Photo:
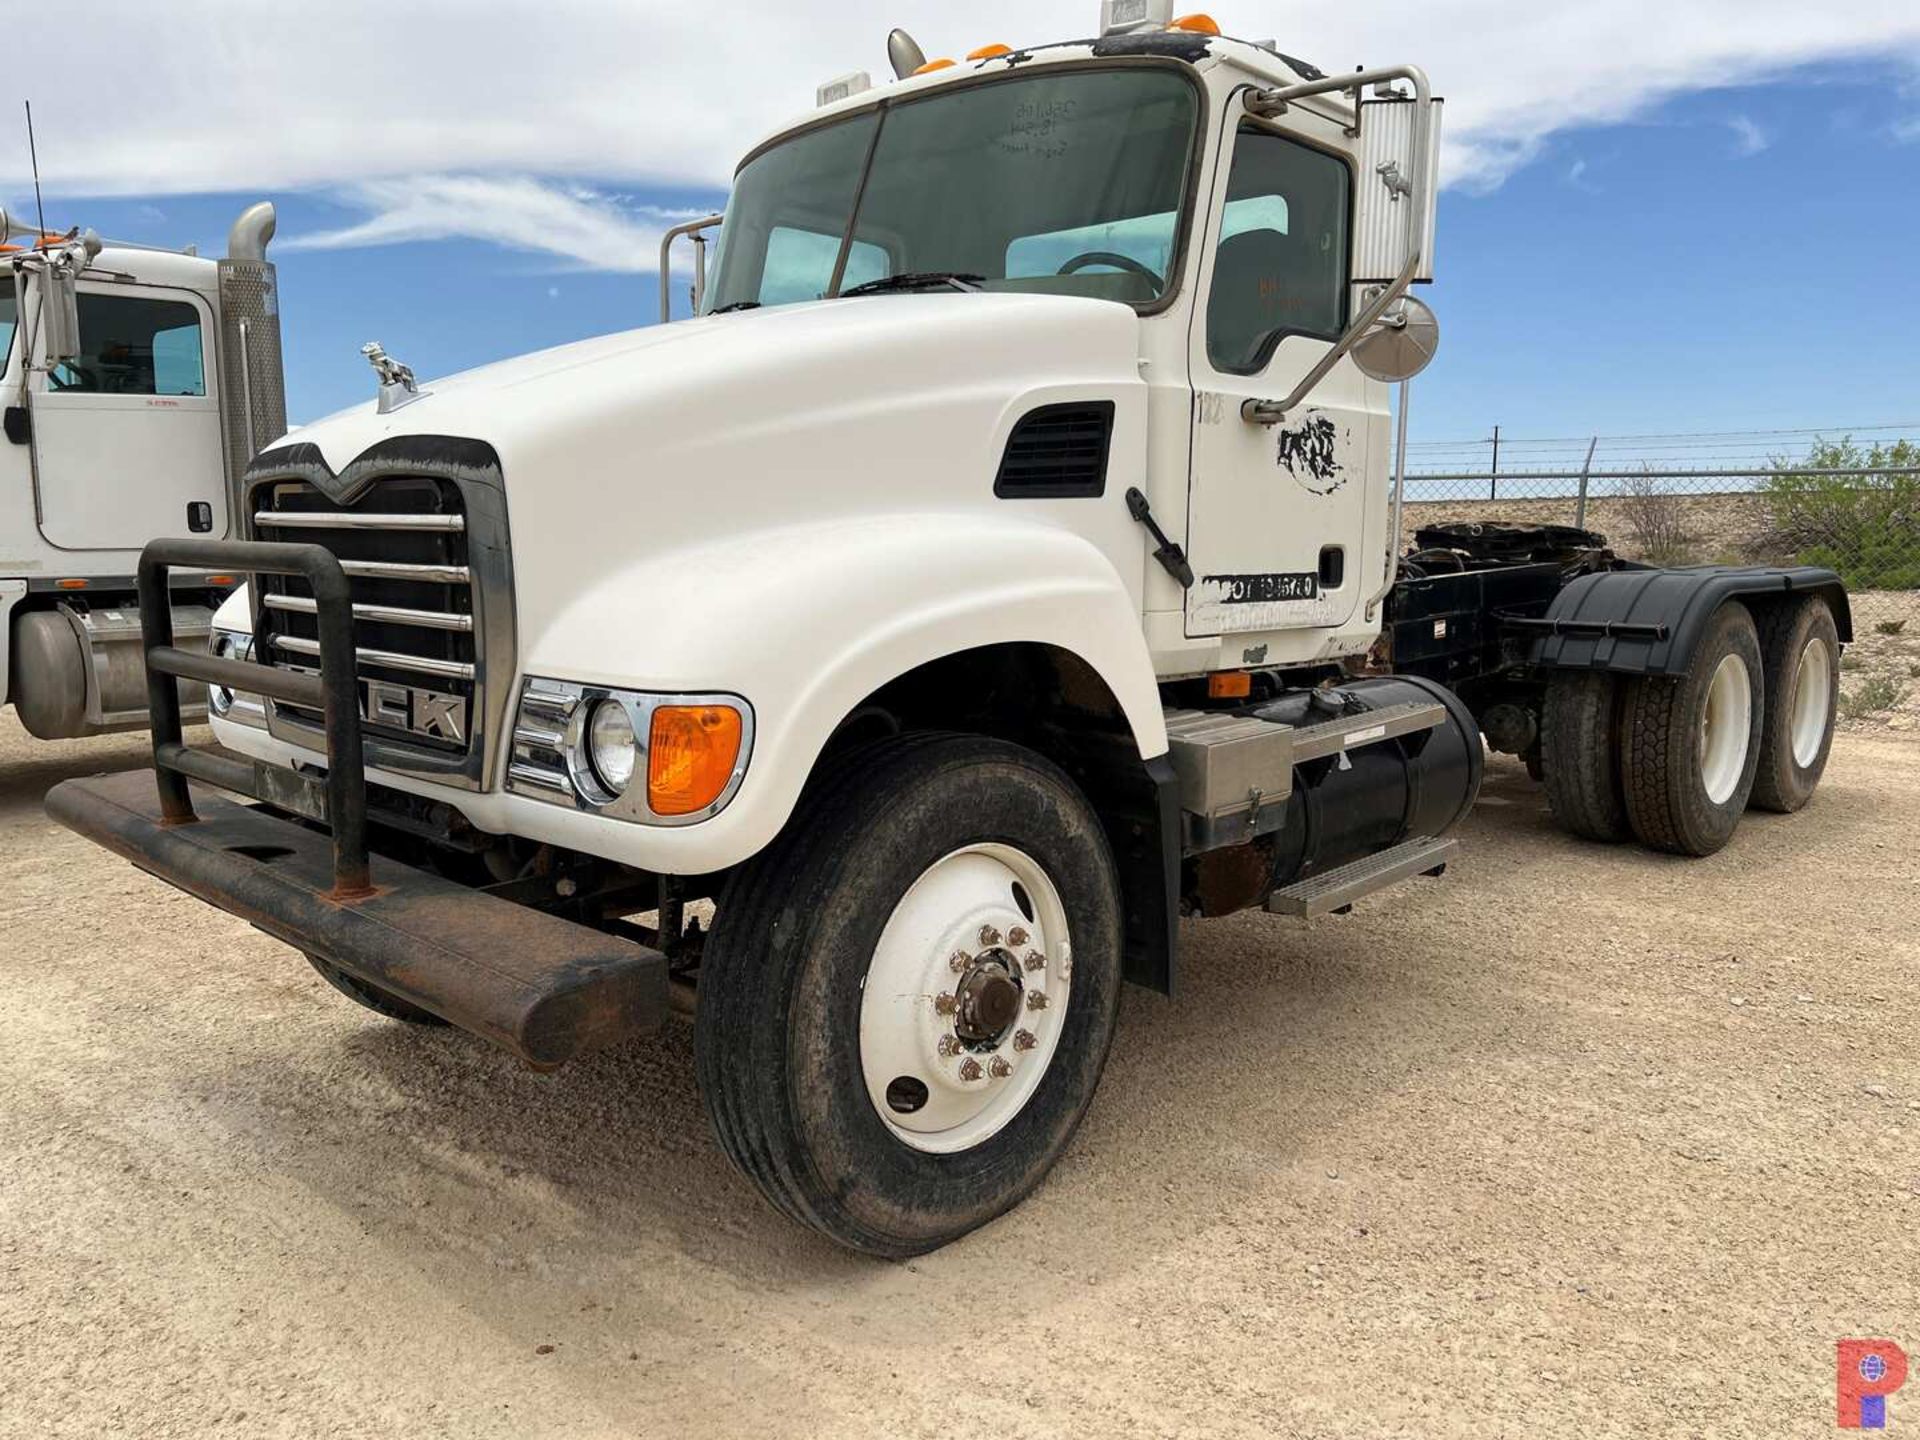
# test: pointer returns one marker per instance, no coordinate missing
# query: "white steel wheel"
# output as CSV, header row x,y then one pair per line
x,y
965,998
1812,701
1726,729
1800,655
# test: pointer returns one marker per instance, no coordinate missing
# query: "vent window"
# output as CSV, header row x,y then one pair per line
x,y
1058,452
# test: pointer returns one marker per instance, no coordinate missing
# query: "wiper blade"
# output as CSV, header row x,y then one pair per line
x,y
918,280
736,305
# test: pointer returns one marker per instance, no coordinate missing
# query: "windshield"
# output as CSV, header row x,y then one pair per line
x,y
1070,182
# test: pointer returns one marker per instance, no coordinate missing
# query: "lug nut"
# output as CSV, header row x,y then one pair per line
x,y
969,1069
989,936
1016,937
943,1004
959,961
1036,999
1035,960
999,1068
1024,1040
949,1045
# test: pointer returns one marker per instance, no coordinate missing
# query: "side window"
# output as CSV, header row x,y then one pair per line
x,y
9,317
1281,268
133,345
800,265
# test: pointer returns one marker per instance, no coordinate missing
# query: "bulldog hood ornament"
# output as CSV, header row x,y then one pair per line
x,y
397,385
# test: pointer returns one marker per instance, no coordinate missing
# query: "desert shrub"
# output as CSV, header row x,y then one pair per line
x,y
1655,521
1877,693
1866,528
1889,627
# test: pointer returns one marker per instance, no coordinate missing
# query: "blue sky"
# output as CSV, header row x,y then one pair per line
x,y
1682,256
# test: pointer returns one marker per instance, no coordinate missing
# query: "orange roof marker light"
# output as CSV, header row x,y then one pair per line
x,y
1199,24
989,52
933,65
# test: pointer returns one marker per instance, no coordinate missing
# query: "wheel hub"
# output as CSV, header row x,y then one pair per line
x,y
965,998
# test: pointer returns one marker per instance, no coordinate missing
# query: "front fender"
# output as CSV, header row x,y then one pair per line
x,y
805,622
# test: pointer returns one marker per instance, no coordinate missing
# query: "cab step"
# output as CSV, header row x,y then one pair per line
x,y
1336,890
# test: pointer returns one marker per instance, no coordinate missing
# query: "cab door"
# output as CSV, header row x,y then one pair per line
x,y
1277,513
126,435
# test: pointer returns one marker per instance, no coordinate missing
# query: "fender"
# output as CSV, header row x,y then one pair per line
x,y
11,592
1648,622
804,622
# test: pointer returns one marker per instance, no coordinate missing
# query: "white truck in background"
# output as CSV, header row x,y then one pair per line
x,y
1003,564
136,384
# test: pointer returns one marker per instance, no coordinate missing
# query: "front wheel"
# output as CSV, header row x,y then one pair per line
x,y
907,999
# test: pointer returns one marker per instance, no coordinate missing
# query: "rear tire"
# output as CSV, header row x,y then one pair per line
x,y
1578,749
1800,647
830,1052
376,1000
1690,744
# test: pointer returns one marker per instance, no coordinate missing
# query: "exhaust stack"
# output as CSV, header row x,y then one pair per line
x,y
253,393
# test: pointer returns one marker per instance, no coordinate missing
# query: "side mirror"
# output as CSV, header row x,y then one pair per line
x,y
1401,343
59,316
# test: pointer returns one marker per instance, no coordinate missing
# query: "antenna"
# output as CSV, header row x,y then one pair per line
x,y
33,154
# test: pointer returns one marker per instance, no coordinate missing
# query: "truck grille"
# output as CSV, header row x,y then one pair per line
x,y
404,546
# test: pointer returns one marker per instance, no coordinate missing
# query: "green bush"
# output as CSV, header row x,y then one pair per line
x,y
1865,527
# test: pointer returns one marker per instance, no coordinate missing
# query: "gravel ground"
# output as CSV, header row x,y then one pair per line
x,y
1575,1141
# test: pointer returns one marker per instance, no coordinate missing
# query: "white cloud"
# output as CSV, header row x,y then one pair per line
x,y
360,95
583,227
1907,131
1748,137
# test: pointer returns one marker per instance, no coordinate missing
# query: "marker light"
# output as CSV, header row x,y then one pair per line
x,y
1198,24
933,65
989,52
690,756
1229,685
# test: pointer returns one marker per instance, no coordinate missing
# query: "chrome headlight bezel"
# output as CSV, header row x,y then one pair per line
x,y
552,741
238,707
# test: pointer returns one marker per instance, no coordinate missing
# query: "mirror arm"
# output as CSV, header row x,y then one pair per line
x,y
693,228
1272,412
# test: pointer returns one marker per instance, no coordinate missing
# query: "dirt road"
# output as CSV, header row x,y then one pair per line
x,y
1573,1142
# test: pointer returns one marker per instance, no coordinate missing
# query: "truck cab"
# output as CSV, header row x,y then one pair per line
x,y
126,420
1001,565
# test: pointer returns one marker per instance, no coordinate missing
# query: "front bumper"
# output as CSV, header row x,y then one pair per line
x,y
537,985
542,987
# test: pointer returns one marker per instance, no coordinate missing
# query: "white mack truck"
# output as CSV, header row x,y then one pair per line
x,y
1003,564
135,384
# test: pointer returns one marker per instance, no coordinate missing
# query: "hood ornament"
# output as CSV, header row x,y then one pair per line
x,y
397,385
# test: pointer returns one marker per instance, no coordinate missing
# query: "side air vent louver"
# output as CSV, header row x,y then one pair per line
x,y
1057,452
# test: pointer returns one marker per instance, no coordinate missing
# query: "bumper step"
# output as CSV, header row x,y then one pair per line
x,y
1339,888
539,986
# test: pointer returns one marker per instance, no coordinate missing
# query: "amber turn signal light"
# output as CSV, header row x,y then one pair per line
x,y
1229,685
691,752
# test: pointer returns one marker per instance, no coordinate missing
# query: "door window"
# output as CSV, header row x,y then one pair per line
x,y
9,316
135,345
1281,266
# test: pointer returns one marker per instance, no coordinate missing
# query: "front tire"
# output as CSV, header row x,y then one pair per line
x,y
1800,646
867,1038
1690,744
371,997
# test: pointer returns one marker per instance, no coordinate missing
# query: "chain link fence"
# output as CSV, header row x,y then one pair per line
x,y
1736,498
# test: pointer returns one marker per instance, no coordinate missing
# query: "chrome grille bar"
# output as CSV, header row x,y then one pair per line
x,y
419,664
377,614
330,520
394,570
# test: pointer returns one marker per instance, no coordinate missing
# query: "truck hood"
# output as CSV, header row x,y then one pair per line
x,y
735,429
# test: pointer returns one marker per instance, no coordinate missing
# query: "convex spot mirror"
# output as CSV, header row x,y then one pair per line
x,y
1400,344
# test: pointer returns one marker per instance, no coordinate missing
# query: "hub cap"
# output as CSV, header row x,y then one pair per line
x,y
1726,728
964,998
1812,700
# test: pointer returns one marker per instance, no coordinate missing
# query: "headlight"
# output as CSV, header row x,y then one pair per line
x,y
627,754
611,746
227,645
